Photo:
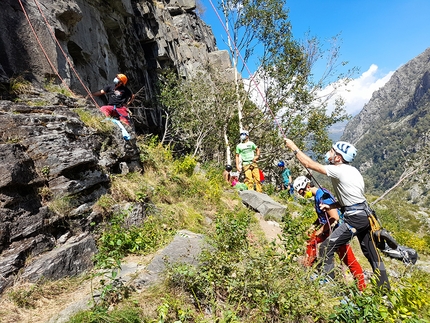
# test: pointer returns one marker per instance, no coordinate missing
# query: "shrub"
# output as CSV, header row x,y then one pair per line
x,y
185,165
154,156
131,187
25,297
95,121
116,241
408,301
45,194
244,281
131,314
61,205
19,85
55,88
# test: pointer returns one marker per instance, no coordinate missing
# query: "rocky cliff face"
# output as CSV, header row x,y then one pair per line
x,y
48,153
44,146
95,40
403,94
392,131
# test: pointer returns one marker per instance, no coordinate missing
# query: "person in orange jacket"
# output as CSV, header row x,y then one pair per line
x,y
326,221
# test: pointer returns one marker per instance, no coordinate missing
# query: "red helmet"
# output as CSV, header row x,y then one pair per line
x,y
122,78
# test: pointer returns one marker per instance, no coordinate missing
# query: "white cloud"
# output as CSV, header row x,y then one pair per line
x,y
355,94
359,91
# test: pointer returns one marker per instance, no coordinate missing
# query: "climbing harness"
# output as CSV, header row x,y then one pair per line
x,y
120,114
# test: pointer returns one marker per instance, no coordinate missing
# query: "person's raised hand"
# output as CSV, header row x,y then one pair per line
x,y
290,144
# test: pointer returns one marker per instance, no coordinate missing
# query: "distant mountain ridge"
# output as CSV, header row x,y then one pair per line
x,y
392,130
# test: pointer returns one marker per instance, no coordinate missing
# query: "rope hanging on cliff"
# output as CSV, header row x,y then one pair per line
x,y
46,55
41,47
62,51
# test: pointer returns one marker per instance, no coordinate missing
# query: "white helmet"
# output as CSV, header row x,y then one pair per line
x,y
245,132
347,150
243,135
300,183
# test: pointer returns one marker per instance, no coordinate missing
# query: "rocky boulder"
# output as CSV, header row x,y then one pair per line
x,y
48,152
264,205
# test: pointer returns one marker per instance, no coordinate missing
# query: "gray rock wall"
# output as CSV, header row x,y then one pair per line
x,y
101,39
49,150
98,39
45,148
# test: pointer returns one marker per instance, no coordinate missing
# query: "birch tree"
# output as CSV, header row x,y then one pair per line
x,y
202,112
284,79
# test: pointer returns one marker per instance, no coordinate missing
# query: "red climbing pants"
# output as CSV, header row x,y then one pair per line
x,y
345,254
121,113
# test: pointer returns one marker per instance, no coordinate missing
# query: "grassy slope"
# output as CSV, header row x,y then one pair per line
x,y
244,278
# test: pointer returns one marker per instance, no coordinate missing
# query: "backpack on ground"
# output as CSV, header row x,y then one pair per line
x,y
405,254
388,245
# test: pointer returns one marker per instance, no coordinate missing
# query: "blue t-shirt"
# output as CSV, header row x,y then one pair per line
x,y
286,176
323,196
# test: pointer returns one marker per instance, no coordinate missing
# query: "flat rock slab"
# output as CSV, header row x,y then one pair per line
x,y
263,204
185,248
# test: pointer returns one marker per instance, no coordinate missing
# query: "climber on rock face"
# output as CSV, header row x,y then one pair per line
x,y
118,96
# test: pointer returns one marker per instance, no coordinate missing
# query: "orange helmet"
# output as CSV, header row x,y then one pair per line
x,y
122,78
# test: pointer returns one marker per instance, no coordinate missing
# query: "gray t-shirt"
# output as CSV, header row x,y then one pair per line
x,y
348,184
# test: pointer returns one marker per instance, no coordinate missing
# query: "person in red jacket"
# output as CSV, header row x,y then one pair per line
x,y
326,221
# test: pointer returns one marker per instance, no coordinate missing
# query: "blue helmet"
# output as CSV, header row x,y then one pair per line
x,y
347,150
281,164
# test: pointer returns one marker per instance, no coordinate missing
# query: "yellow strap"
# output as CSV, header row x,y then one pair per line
x,y
374,223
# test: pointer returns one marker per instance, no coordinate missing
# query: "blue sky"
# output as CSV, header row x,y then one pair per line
x,y
377,36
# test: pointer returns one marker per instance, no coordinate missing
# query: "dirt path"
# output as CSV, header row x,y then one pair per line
x,y
270,228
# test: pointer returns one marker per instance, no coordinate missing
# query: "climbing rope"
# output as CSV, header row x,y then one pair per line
x,y
54,69
62,51
40,45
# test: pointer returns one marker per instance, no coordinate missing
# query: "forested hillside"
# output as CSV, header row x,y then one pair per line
x,y
392,132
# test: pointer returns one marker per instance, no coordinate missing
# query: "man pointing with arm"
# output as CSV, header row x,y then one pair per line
x,y
348,185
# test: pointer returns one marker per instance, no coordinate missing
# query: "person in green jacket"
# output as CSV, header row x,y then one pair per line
x,y
247,155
